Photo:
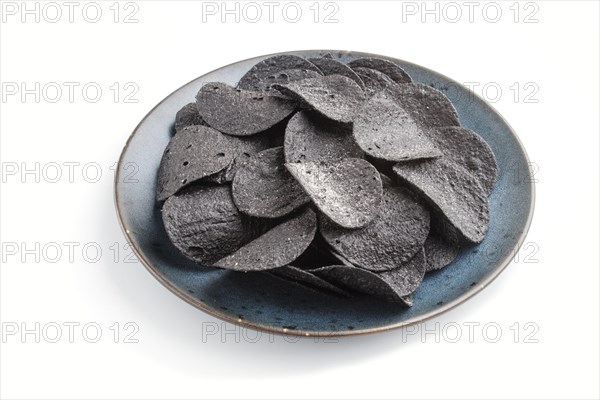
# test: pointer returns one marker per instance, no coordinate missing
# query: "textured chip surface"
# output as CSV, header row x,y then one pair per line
x,y
277,247
335,96
386,131
188,116
439,251
198,152
389,68
258,77
329,66
453,190
205,225
263,187
468,149
390,240
429,107
310,137
240,112
374,80
394,285
347,191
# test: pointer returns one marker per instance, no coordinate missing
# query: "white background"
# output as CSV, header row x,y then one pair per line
x,y
554,285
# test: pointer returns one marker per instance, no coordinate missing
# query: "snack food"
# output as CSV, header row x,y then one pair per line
x,y
335,176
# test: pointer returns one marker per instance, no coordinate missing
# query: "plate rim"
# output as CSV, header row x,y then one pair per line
x,y
502,264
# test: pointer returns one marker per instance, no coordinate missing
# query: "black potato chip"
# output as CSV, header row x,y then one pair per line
x,y
329,66
468,149
198,152
307,278
277,247
188,116
439,251
392,70
263,187
310,137
374,80
393,237
205,225
386,131
240,112
335,96
347,191
394,285
262,74
452,190
429,107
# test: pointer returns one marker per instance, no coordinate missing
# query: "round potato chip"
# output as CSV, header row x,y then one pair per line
x,y
390,240
389,68
394,285
287,76
264,73
205,225
374,80
347,191
453,190
277,247
439,251
310,137
188,116
429,107
240,112
335,96
469,150
264,188
329,66
198,152
384,130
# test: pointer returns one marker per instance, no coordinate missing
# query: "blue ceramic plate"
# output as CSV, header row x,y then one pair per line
x,y
264,302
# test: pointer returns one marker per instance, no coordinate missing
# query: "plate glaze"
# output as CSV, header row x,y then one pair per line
x,y
261,301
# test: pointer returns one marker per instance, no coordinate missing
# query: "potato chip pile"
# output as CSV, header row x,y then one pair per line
x,y
347,178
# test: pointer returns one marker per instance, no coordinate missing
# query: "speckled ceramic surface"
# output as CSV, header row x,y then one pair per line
x,y
265,302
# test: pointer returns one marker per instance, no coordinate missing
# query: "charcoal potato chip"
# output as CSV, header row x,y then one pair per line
x,y
198,152
205,225
394,236
263,187
439,251
310,137
453,190
262,74
329,66
394,285
287,76
390,69
240,112
335,96
277,247
386,131
429,107
468,149
374,80
307,278
188,116
347,191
